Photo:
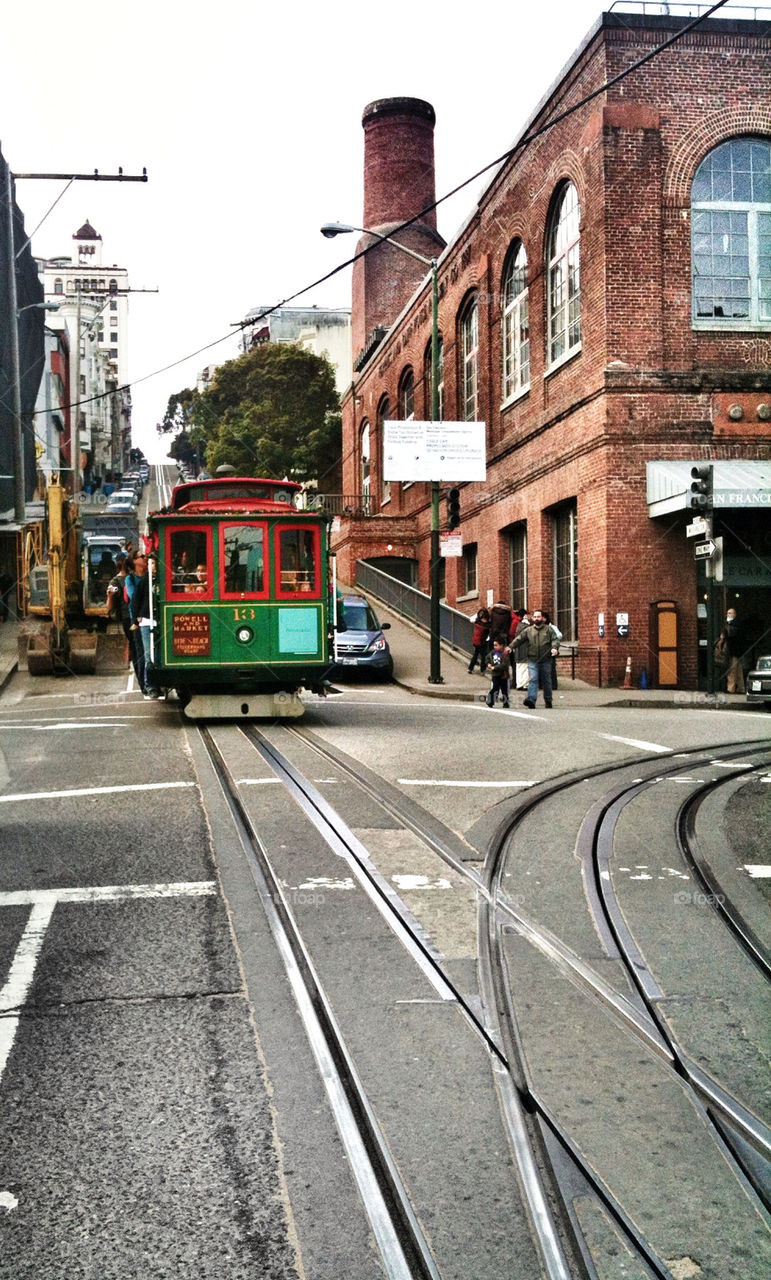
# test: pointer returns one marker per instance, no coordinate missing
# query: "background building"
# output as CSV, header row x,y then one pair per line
x,y
93,307
324,332
605,310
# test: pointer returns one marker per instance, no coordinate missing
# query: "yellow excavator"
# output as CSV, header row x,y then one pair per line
x,y
65,576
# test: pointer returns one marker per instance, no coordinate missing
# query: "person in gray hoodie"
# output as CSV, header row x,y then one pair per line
x,y
538,643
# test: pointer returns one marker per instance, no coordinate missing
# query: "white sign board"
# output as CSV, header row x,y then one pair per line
x,y
433,450
450,544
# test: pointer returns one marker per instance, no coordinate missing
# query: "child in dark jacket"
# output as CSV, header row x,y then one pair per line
x,y
479,639
499,677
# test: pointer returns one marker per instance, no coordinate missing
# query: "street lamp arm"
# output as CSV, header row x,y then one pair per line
x,y
331,229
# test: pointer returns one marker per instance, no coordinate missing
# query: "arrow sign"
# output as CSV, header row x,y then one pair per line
x,y
704,550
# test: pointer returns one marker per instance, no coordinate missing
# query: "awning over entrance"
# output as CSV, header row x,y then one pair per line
x,y
735,484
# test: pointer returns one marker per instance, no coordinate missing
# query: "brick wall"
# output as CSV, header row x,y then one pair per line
x,y
644,385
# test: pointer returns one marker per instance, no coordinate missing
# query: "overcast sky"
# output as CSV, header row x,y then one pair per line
x,y
247,116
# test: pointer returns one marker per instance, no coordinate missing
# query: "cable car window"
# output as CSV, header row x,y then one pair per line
x,y
188,562
298,561
243,558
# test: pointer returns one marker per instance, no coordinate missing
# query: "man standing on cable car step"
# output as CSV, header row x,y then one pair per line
x,y
140,617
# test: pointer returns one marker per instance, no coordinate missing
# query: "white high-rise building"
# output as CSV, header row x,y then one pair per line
x,y
93,306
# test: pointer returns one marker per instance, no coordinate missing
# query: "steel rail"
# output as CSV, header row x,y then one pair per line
x,y
402,1245
598,829
720,902
334,830
517,1094
498,995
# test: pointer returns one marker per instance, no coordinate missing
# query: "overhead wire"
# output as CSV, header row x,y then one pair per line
x,y
518,146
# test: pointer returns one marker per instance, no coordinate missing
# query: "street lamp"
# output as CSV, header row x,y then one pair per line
x,y
39,306
329,230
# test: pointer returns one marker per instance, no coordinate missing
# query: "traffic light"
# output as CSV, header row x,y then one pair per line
x,y
453,508
700,496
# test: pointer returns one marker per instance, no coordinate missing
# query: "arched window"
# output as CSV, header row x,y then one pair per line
x,y
364,463
58,285
440,381
407,396
383,412
469,358
564,327
516,325
731,236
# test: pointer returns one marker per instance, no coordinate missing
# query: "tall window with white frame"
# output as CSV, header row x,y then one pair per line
x,y
518,564
469,356
427,381
564,299
516,324
731,237
565,543
468,581
365,465
383,412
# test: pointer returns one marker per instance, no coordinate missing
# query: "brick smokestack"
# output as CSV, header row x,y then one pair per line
x,y
398,183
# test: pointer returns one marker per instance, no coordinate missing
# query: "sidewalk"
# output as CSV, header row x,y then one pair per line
x,y
410,649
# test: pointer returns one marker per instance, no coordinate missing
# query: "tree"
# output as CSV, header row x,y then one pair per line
x,y
273,412
178,410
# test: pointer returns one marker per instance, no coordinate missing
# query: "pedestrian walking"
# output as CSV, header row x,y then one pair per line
x,y
479,639
558,635
500,622
521,619
499,674
733,645
538,642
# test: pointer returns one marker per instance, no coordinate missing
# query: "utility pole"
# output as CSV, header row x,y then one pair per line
x,y
435,668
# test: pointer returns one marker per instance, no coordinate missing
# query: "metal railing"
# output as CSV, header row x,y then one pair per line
x,y
455,628
356,505
676,8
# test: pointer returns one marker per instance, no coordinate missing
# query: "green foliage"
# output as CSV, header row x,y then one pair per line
x,y
271,412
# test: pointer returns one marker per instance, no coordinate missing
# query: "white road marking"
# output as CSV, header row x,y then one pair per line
x,y
439,782
93,791
22,971
254,782
729,764
8,1201
758,870
107,893
636,742
405,881
112,723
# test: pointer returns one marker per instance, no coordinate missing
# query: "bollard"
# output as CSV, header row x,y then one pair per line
x,y
643,679
628,675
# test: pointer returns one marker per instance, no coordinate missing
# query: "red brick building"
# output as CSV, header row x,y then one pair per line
x,y
606,311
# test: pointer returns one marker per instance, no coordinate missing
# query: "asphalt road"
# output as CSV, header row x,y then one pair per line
x,y
162,1113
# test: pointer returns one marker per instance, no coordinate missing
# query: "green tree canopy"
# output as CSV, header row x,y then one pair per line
x,y
273,412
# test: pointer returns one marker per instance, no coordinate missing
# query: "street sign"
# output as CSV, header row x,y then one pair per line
x,y
451,544
433,451
697,528
704,550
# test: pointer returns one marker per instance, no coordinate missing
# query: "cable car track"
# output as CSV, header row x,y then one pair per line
x,y
522,1105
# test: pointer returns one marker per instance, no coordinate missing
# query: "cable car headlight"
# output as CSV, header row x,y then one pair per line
x,y
244,635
